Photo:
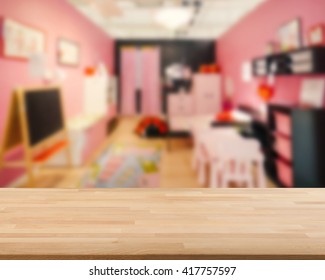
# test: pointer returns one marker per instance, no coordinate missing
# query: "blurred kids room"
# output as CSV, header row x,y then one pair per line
x,y
162,94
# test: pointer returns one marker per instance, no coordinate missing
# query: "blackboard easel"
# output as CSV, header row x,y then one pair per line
x,y
17,132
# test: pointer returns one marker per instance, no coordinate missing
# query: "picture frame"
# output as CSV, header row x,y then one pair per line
x,y
316,35
21,41
68,52
290,35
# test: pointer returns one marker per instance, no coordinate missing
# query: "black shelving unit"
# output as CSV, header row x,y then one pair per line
x,y
308,146
305,61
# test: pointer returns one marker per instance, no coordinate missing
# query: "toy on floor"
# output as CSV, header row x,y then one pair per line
x,y
151,176
149,166
152,127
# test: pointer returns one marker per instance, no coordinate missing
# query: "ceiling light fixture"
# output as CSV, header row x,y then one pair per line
x,y
174,18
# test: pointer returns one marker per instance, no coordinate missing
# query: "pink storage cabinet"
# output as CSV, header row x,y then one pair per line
x,y
180,104
281,126
150,81
128,81
283,123
140,70
299,160
285,173
283,146
207,93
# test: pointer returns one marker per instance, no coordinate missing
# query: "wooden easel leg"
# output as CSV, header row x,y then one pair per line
x,y
30,173
68,156
31,181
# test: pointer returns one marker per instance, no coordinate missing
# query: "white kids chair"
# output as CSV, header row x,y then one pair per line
x,y
197,133
205,147
234,162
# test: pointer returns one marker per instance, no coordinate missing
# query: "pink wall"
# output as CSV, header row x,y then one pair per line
x,y
248,39
58,19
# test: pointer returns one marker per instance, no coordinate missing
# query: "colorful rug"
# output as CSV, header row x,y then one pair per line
x,y
125,167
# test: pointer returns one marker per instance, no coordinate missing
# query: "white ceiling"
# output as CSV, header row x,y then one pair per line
x,y
134,19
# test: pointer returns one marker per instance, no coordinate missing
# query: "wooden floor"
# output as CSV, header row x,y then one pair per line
x,y
176,171
162,224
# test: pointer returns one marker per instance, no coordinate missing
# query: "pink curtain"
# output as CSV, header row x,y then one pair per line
x,y
151,90
128,82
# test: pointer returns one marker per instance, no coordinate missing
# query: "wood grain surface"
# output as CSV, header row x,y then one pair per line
x,y
162,224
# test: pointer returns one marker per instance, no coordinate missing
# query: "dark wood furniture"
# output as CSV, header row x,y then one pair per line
x,y
294,149
300,152
309,60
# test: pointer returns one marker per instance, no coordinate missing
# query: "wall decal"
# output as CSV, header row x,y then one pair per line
x,y
68,52
290,37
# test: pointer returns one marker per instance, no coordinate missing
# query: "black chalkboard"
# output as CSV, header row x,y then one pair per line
x,y
43,113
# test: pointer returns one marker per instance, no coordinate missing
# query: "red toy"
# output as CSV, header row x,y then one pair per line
x,y
224,117
152,127
266,92
210,69
90,71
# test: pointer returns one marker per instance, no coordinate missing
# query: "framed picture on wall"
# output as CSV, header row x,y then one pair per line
x,y
290,35
21,41
68,52
316,35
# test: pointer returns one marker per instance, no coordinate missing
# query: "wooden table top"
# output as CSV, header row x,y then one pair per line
x,y
162,224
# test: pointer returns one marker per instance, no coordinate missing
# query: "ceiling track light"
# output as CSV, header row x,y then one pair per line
x,y
174,17
186,3
196,5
